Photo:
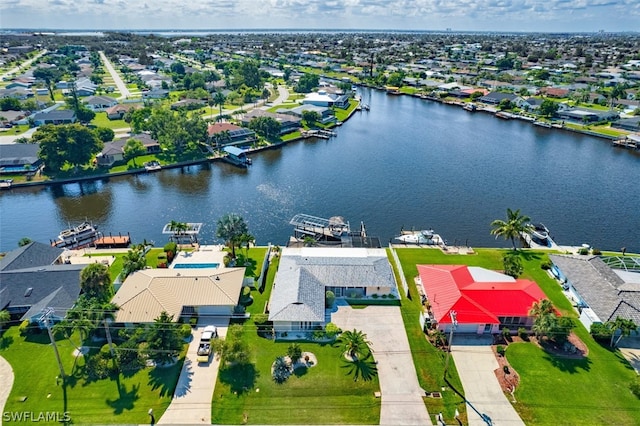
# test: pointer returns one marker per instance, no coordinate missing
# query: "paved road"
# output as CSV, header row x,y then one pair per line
x,y
6,378
24,64
122,87
191,403
402,402
476,363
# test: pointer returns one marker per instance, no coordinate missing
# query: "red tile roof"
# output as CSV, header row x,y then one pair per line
x,y
221,127
452,287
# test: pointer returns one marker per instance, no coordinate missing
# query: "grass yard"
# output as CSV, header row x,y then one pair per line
x,y
323,394
122,399
290,136
342,114
591,391
101,120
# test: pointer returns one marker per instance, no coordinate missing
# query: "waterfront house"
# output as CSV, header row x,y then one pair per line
x,y
114,151
485,301
19,158
288,122
631,124
99,103
585,115
305,275
531,104
326,114
601,293
230,134
494,98
34,277
58,116
179,292
323,99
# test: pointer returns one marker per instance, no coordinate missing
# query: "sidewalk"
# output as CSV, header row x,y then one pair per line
x,y
6,378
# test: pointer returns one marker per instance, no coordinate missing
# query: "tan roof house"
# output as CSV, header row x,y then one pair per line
x,y
179,292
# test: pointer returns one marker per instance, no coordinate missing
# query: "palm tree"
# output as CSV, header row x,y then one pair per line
x,y
218,99
355,343
133,261
515,225
626,326
544,317
230,227
95,282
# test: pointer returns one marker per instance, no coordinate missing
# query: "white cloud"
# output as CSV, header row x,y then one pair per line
x,y
490,15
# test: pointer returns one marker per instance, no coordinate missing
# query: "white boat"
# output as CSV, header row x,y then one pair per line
x,y
152,166
6,183
83,234
542,124
540,234
425,236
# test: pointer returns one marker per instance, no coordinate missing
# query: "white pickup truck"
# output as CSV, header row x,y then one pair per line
x,y
204,348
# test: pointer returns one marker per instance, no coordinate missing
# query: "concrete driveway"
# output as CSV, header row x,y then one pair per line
x,y
6,378
476,364
402,402
630,349
191,403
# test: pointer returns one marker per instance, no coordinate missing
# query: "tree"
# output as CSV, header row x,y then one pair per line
x,y
219,99
67,143
544,317
307,83
134,260
329,299
548,108
230,227
505,104
267,127
310,117
355,344
84,114
5,317
49,75
163,339
24,241
105,134
512,265
281,370
177,68
294,352
133,148
625,326
10,104
95,282
515,225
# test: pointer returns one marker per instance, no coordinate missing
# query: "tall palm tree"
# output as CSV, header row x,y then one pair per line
x,y
230,227
626,327
515,225
355,343
95,282
218,99
544,317
133,261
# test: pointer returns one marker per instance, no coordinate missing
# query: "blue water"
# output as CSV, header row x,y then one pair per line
x,y
195,265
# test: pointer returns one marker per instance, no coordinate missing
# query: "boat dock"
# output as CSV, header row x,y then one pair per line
x,y
317,133
111,241
628,142
335,231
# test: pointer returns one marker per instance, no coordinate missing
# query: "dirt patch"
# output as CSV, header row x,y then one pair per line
x,y
575,348
508,378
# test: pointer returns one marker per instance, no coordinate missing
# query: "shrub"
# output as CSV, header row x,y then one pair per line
x,y
128,356
185,331
501,350
294,352
635,387
600,332
239,309
546,265
171,246
105,351
522,332
384,296
193,322
281,370
97,367
391,296
24,328
375,295
329,299
596,252
583,251
506,333
332,330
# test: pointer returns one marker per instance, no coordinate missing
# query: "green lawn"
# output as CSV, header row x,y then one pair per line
x,y
135,163
101,120
342,114
290,136
590,391
323,394
122,399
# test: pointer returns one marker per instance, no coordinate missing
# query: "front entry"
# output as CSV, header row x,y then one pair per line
x,y
487,328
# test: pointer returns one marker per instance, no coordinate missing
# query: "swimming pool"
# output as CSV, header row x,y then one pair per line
x,y
195,265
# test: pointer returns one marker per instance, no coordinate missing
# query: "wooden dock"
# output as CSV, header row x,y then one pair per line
x,y
113,241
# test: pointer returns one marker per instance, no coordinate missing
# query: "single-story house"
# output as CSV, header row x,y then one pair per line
x,y
99,103
155,94
288,123
19,158
18,84
555,92
485,301
188,104
531,104
33,278
326,114
305,275
10,118
586,115
117,112
179,292
495,98
323,99
58,116
602,293
114,151
230,134
631,124
16,92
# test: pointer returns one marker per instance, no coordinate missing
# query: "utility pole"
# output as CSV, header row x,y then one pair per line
x,y
45,317
454,323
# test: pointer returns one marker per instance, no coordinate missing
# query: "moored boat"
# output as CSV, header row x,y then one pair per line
x,y
540,234
79,236
152,166
423,237
6,183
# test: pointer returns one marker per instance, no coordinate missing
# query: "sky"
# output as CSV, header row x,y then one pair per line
x,y
432,15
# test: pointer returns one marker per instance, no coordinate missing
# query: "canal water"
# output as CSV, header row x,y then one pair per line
x,y
407,163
